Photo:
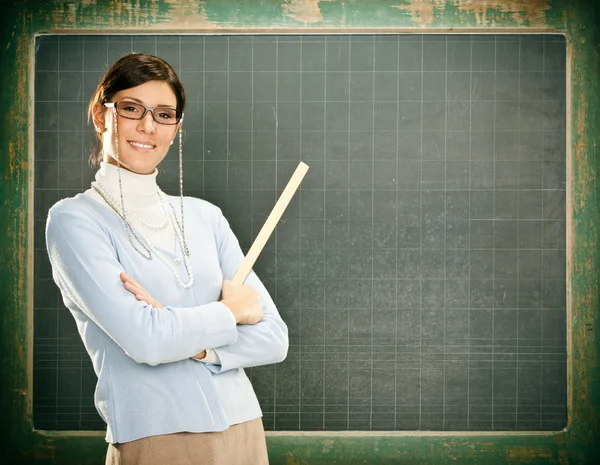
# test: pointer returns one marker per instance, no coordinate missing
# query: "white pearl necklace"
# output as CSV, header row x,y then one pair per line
x,y
149,248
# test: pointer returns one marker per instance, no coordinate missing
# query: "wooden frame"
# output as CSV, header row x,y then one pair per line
x,y
578,20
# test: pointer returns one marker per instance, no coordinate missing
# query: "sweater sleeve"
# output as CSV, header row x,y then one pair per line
x,y
86,269
262,343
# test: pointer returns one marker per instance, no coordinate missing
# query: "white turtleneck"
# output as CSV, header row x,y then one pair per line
x,y
144,209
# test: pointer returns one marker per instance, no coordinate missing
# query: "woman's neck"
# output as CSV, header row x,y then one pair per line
x,y
139,190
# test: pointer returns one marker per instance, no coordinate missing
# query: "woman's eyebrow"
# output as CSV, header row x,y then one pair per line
x,y
139,101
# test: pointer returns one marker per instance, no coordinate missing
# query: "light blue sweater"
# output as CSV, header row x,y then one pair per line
x,y
147,382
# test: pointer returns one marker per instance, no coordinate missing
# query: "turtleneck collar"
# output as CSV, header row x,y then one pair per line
x,y
139,190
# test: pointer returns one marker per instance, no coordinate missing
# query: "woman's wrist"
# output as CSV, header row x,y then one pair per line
x,y
233,308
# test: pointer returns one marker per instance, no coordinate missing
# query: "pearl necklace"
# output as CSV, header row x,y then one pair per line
x,y
148,247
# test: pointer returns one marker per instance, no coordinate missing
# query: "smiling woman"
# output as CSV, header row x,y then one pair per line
x,y
171,377
141,131
127,90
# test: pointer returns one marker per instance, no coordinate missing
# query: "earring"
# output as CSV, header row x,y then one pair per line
x,y
185,247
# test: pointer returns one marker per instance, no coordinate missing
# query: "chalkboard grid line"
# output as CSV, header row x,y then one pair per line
x,y
276,113
58,177
542,190
445,191
542,296
299,194
436,189
396,242
421,255
518,232
204,118
308,71
469,239
494,223
357,131
348,197
81,352
450,130
445,216
252,233
372,239
324,235
227,123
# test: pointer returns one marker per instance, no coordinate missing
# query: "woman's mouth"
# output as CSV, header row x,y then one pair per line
x,y
143,146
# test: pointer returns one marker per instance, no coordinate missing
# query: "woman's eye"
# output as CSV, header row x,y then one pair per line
x,y
130,108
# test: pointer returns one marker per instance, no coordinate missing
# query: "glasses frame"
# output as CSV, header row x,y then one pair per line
x,y
178,114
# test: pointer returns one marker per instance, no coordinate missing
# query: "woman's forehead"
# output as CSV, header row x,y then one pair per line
x,y
151,93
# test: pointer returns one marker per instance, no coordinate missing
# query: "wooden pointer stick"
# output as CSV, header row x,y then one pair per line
x,y
269,226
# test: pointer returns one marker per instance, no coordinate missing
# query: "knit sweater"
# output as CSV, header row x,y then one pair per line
x,y
143,208
147,382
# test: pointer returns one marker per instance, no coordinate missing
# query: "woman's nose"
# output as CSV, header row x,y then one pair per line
x,y
146,124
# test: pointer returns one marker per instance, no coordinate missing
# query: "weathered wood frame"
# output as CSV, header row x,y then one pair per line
x,y
578,20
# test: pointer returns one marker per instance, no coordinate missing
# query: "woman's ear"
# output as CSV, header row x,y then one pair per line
x,y
99,117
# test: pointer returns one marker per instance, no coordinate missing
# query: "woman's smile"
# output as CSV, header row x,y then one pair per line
x,y
142,146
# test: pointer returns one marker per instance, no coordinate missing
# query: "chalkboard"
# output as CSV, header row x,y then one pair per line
x,y
421,266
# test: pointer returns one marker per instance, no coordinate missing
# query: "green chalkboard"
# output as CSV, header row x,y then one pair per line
x,y
421,267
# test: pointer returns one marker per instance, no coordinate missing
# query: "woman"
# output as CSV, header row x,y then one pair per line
x,y
147,279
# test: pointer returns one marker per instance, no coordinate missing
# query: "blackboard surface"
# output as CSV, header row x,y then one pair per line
x,y
420,268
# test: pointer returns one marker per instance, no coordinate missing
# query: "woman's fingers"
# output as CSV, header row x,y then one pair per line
x,y
132,285
134,289
127,278
138,290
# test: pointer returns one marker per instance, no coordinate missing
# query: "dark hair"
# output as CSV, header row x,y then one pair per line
x,y
130,71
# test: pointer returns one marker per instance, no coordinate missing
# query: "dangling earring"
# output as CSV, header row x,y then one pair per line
x,y
185,247
116,131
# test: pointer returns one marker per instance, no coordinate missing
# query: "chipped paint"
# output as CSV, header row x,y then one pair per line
x,y
42,452
583,172
422,12
532,12
187,14
161,15
526,454
563,457
487,12
303,11
291,460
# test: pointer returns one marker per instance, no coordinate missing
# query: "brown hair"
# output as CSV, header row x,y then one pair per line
x,y
130,71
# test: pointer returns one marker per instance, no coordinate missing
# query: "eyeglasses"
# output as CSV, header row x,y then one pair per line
x,y
133,110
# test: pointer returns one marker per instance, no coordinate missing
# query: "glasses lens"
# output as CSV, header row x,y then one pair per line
x,y
166,115
130,110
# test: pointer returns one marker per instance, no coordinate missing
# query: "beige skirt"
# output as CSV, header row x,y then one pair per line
x,y
239,444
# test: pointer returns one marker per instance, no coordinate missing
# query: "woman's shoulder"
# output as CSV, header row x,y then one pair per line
x,y
70,206
80,206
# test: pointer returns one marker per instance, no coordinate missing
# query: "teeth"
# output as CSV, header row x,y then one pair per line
x,y
143,146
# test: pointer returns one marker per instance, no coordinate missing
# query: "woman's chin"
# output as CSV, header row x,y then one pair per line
x,y
137,166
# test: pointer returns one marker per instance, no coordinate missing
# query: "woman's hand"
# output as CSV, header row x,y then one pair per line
x,y
243,301
143,295
200,356
138,291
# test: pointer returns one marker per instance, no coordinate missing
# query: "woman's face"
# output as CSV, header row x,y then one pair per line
x,y
142,143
